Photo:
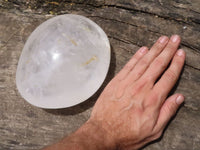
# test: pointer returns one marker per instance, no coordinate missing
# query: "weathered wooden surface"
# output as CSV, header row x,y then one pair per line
x,y
129,24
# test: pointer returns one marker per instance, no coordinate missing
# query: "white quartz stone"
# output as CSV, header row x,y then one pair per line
x,y
64,62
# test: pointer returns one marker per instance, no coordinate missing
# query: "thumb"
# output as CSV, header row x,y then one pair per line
x,y
168,110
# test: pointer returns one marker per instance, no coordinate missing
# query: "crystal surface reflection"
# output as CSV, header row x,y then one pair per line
x,y
64,62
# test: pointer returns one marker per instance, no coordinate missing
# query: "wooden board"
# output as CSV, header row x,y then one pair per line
x,y
129,25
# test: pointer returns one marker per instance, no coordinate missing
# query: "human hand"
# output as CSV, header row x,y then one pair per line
x,y
134,109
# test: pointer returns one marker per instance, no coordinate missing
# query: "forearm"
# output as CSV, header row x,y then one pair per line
x,y
88,137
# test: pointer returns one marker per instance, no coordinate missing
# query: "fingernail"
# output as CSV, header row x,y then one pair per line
x,y
143,50
179,99
180,52
175,38
163,39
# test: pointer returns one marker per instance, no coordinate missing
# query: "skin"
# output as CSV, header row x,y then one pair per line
x,y
134,108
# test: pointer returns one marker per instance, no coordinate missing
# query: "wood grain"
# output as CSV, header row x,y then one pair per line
x,y
129,25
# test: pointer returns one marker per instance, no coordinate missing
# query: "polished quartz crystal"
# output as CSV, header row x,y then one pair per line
x,y
64,62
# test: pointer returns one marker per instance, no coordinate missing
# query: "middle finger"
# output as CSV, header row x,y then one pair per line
x,y
161,61
143,63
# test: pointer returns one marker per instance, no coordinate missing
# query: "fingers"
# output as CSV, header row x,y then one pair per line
x,y
130,65
170,76
168,110
161,62
142,65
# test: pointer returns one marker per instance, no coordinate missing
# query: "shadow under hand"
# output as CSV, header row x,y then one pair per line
x,y
91,101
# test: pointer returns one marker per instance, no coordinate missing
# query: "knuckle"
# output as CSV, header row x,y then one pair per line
x,y
170,109
178,62
144,62
154,96
137,56
170,46
149,78
171,75
139,109
138,87
160,62
120,90
159,45
138,74
127,67
150,119
152,99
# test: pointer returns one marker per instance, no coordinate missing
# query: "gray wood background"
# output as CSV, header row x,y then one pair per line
x,y
129,24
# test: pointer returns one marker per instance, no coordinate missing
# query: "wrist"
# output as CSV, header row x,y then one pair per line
x,y
96,136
